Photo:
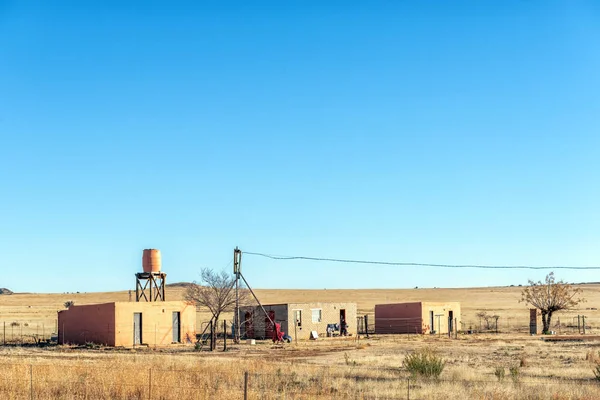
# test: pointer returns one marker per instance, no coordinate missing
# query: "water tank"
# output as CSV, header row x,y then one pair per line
x,y
151,260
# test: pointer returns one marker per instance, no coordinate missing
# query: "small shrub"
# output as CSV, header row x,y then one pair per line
x,y
69,303
349,361
523,362
425,363
500,373
597,372
592,356
15,323
514,373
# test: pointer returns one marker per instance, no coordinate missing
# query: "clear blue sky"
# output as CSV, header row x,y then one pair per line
x,y
442,132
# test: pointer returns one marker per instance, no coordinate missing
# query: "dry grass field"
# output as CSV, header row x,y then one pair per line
x,y
352,367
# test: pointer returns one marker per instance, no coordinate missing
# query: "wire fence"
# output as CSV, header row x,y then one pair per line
x,y
21,332
562,324
33,332
59,381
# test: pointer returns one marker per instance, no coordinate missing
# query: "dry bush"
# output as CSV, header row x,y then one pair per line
x,y
592,356
500,373
424,362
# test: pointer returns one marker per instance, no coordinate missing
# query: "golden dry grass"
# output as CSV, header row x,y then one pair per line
x,y
342,368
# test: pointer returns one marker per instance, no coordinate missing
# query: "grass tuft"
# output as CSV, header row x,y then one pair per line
x,y
425,363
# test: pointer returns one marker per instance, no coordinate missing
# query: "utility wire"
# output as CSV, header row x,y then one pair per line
x,y
411,264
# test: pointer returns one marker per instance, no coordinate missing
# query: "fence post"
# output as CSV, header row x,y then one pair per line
x,y
408,388
150,384
367,325
212,335
583,319
246,385
455,328
31,380
224,335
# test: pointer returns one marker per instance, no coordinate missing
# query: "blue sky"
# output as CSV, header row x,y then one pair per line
x,y
441,132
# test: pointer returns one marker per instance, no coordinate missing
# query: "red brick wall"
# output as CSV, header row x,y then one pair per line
x,y
87,323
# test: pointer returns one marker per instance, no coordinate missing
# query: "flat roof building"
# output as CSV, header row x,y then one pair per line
x,y
422,317
128,324
298,320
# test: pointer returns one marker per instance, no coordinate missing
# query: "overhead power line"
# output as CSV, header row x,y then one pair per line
x,y
412,264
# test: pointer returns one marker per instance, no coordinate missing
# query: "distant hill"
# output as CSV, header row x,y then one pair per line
x,y
178,284
5,291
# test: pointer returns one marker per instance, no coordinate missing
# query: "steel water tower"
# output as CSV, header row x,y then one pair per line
x,y
150,284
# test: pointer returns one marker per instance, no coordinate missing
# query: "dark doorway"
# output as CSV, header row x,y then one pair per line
x,y
137,328
176,328
343,322
269,327
249,324
450,321
431,323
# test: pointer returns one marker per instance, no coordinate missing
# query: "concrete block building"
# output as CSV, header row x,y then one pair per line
x,y
128,324
417,317
297,319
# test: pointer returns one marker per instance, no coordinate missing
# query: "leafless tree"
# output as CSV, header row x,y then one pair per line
x,y
482,315
216,291
551,296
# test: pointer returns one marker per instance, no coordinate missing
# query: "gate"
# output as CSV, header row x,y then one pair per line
x,y
269,325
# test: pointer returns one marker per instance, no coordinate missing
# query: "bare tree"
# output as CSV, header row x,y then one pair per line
x,y
487,318
551,296
215,291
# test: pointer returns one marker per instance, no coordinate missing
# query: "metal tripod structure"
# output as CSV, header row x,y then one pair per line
x,y
237,270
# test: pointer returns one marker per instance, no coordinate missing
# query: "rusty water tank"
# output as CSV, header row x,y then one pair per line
x,y
151,260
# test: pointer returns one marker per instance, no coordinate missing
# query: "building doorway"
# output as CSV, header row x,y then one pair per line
x,y
450,321
176,327
137,328
431,323
343,323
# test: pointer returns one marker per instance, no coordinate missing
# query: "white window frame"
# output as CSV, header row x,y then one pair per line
x,y
312,313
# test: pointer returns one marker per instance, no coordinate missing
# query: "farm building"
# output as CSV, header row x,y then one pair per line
x,y
298,319
149,321
419,317
128,324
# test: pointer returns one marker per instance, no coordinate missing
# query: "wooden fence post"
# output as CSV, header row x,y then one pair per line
x,y
150,384
212,335
31,380
224,335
